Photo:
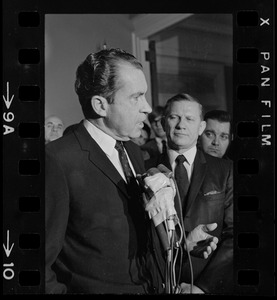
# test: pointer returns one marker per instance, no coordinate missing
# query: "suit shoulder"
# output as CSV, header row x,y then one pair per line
x,y
220,162
61,145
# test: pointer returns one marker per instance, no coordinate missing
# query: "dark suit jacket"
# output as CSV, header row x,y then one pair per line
x,y
152,149
210,199
95,228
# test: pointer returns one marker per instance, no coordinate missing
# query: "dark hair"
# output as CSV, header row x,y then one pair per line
x,y
156,112
182,97
220,116
98,75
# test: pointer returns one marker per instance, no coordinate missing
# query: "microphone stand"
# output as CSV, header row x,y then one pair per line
x,y
168,237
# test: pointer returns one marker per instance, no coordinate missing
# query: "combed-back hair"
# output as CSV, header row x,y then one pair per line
x,y
220,116
182,97
98,76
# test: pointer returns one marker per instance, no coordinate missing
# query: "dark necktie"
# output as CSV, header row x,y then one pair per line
x,y
134,209
124,162
164,147
181,177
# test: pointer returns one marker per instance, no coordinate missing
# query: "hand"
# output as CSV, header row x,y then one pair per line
x,y
200,243
185,288
161,205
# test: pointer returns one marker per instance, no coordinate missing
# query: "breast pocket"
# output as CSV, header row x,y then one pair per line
x,y
207,209
213,196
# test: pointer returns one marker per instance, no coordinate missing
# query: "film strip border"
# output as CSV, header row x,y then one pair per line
x,y
23,148
254,152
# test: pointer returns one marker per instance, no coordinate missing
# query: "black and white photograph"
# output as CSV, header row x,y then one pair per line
x,y
138,149
87,211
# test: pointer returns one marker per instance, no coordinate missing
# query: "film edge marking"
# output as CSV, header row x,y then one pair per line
x,y
8,266
8,116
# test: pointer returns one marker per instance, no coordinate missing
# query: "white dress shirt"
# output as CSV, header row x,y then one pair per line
x,y
190,156
107,144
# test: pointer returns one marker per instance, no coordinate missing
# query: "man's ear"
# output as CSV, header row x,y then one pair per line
x,y
202,127
99,105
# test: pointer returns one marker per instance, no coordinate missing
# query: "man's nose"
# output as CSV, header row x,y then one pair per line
x,y
215,141
182,123
146,107
55,128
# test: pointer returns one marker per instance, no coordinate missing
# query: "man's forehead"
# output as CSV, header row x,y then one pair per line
x,y
132,76
182,106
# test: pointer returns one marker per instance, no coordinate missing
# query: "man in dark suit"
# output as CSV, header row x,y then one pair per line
x,y
95,221
208,197
97,238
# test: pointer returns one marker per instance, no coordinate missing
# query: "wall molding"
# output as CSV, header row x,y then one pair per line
x,y
148,24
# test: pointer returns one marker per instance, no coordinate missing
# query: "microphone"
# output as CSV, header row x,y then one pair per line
x,y
160,228
163,169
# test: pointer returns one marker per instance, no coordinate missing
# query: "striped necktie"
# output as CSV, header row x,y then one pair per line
x,y
124,162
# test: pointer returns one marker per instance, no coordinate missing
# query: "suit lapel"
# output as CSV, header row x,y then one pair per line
x,y
99,158
198,175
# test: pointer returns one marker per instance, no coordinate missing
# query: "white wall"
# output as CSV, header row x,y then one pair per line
x,y
69,38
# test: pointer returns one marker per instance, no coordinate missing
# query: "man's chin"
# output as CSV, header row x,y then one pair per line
x,y
213,153
136,134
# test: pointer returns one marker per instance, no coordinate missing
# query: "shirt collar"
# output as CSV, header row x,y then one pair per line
x,y
105,141
189,154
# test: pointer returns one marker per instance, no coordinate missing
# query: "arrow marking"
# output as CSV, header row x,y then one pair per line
x,y
7,100
7,249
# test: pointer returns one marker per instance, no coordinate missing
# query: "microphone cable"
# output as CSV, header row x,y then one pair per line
x,y
183,235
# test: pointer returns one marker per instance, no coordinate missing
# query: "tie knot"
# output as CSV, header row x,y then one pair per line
x,y
119,146
180,159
